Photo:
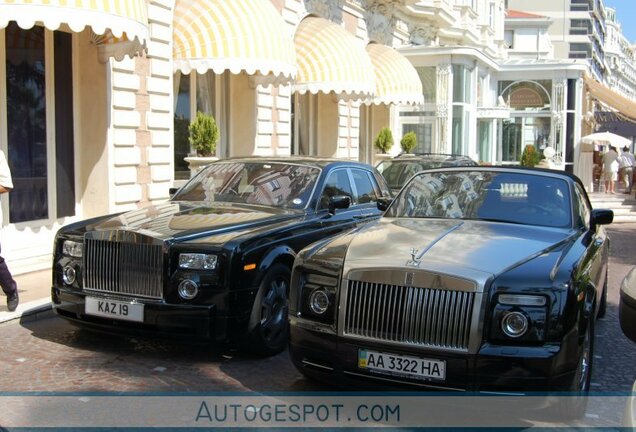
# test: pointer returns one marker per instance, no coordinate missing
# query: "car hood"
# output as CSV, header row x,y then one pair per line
x,y
475,250
187,220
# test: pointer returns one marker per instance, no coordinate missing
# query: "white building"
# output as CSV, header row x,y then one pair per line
x,y
577,29
620,58
527,35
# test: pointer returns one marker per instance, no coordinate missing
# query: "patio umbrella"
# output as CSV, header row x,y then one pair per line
x,y
607,138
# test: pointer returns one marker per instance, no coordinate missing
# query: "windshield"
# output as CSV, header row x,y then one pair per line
x,y
494,196
262,183
398,172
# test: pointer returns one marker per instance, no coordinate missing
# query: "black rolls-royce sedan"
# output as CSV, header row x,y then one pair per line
x,y
214,262
475,279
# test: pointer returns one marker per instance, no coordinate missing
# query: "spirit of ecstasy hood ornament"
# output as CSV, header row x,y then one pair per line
x,y
414,261
413,253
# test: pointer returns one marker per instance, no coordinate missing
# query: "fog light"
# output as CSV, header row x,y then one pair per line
x,y
514,324
69,275
188,289
319,302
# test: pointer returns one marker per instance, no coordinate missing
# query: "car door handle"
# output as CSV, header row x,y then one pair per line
x,y
364,216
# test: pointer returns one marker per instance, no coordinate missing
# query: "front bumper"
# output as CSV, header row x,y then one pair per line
x,y
499,369
183,322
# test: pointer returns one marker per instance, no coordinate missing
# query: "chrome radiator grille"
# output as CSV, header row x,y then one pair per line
x,y
421,316
123,268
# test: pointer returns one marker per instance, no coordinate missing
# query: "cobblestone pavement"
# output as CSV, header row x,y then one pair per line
x,y
52,355
615,355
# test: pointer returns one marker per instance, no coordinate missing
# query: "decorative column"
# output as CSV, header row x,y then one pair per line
x,y
443,100
559,93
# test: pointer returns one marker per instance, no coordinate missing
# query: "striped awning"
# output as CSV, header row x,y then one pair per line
x,y
396,80
123,19
331,60
236,35
116,47
609,97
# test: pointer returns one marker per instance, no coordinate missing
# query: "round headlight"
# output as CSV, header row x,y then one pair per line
x,y
69,275
188,289
514,324
319,302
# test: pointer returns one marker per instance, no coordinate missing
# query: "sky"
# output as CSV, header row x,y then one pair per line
x,y
626,15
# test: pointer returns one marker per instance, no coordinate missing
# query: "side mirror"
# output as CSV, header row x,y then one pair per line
x,y
338,202
383,203
627,305
601,217
172,191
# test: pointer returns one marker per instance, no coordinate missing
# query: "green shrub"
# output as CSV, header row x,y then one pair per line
x,y
408,142
204,134
384,141
530,156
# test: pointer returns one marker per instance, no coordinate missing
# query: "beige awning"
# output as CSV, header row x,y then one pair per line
x,y
331,60
236,35
611,98
396,80
113,20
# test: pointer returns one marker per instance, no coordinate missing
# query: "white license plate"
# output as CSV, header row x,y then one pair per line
x,y
114,309
406,366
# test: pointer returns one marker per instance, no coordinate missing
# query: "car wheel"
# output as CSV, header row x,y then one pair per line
x,y
602,308
573,407
271,331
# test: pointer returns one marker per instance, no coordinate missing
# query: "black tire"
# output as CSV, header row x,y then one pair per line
x,y
602,307
271,324
573,407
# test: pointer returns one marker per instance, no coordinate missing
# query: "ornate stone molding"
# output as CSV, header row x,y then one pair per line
x,y
441,110
443,70
558,95
443,73
380,19
557,118
423,35
328,9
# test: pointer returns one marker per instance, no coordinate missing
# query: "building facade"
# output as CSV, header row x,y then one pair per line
x,y
95,97
620,57
577,29
95,103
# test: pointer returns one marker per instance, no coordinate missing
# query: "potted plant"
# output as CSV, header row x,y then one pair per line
x,y
383,143
408,142
530,156
203,136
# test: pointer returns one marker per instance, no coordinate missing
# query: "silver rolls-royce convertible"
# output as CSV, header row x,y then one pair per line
x,y
484,279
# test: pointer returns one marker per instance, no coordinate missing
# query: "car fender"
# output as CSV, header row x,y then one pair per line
x,y
278,254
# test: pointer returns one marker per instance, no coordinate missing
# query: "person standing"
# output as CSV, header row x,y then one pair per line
x,y
627,162
610,169
8,284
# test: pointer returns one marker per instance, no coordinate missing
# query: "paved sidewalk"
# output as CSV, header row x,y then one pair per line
x,y
35,296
